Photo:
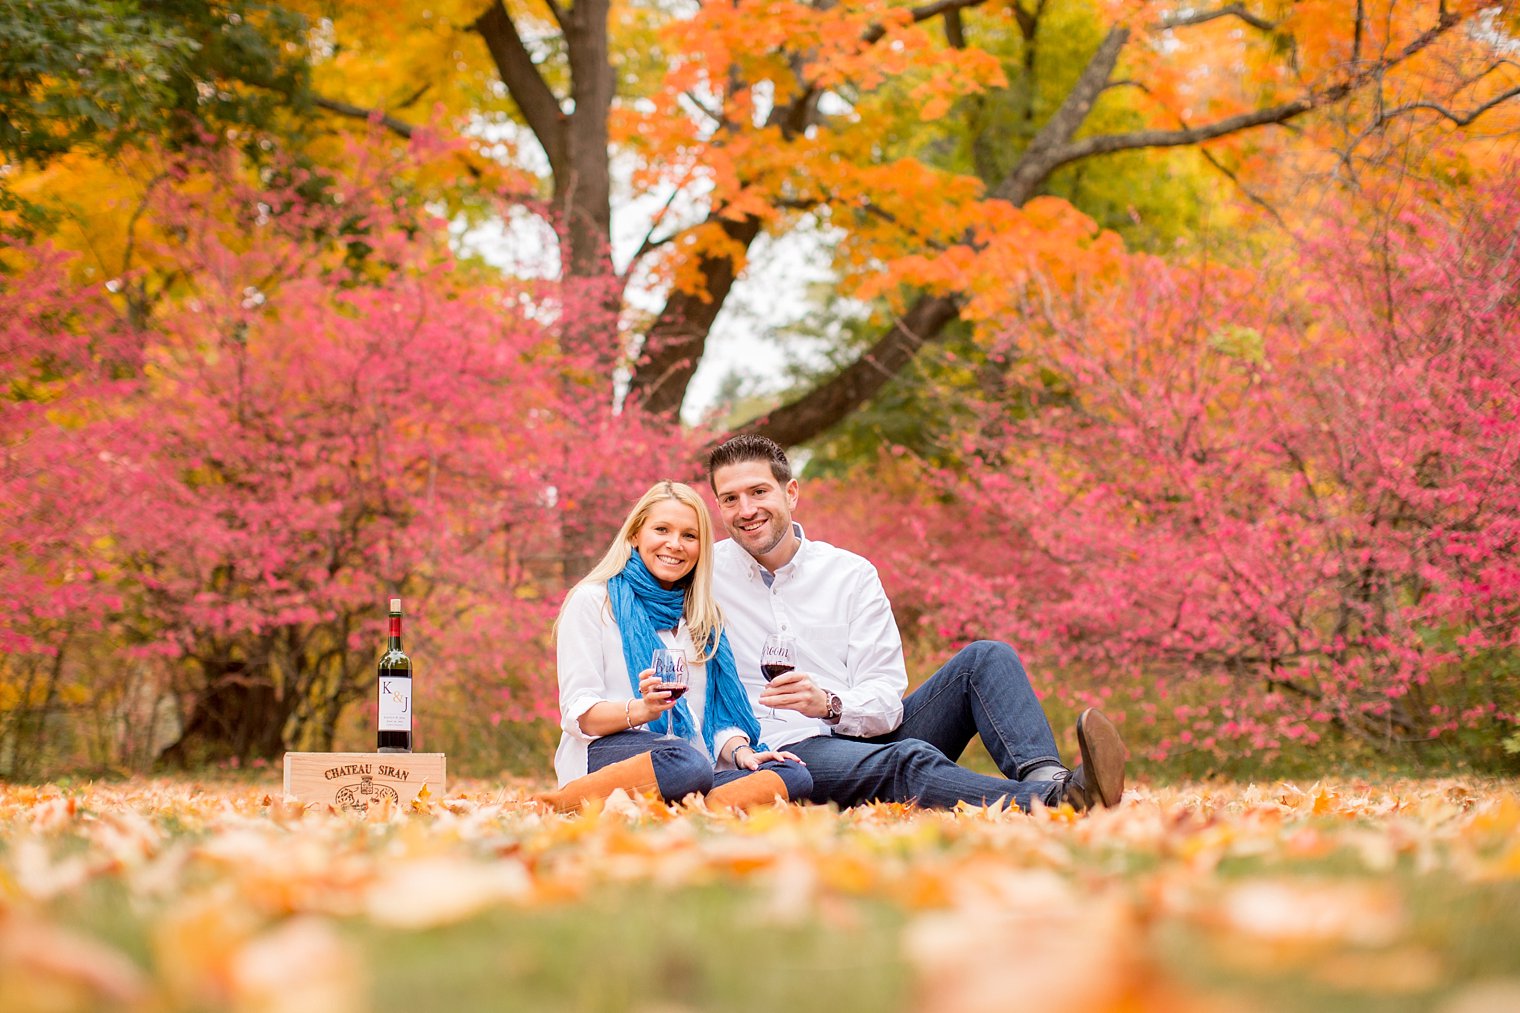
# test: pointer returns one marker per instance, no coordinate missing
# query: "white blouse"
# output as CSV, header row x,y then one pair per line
x,y
592,669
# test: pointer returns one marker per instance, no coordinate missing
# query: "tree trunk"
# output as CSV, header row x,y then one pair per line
x,y
238,715
674,345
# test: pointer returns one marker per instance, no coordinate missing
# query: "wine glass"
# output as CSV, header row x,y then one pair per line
x,y
777,656
670,668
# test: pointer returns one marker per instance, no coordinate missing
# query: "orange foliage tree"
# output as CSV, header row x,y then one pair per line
x,y
750,118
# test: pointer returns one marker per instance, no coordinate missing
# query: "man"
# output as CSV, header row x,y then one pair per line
x,y
841,709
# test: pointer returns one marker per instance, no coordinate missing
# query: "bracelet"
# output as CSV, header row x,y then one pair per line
x,y
734,757
627,713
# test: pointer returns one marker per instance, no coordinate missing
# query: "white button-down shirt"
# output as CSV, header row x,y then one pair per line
x,y
592,669
832,602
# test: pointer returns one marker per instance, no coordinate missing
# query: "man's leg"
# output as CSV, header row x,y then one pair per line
x,y
849,771
984,691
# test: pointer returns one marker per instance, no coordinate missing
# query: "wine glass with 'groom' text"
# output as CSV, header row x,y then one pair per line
x,y
778,656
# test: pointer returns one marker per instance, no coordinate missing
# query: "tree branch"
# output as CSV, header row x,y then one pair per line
x,y
924,13
1234,10
412,99
390,123
701,107
1040,159
537,102
1460,119
955,32
1027,21
675,342
1278,114
558,12
650,243
395,126
1251,195
828,405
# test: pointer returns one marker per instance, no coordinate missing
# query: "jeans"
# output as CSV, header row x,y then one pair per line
x,y
797,778
680,768
983,690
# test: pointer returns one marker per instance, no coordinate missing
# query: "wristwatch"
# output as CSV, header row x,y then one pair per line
x,y
835,709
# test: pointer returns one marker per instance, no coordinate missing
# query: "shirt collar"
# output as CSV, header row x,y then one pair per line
x,y
753,565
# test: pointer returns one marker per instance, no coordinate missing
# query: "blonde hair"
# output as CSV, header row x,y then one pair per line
x,y
703,617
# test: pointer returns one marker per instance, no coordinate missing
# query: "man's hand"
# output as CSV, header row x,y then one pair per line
x,y
796,691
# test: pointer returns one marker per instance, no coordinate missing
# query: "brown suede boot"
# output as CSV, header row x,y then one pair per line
x,y
760,788
1099,779
634,775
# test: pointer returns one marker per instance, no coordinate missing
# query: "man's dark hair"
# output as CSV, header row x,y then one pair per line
x,y
749,447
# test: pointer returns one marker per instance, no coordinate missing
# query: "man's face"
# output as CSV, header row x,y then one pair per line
x,y
756,509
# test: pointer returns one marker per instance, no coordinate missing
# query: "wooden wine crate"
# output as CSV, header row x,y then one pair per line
x,y
358,780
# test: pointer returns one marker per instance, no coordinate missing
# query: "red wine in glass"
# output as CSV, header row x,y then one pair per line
x,y
670,667
777,656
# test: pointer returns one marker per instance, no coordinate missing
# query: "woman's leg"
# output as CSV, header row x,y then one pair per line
x,y
745,789
679,767
636,761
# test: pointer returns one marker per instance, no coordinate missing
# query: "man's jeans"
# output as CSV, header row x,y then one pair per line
x,y
984,691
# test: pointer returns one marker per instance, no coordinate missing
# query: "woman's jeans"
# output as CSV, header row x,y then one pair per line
x,y
680,768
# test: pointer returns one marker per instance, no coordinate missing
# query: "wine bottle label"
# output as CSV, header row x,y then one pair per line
x,y
395,704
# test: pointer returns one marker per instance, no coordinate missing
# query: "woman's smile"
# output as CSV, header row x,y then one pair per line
x,y
668,542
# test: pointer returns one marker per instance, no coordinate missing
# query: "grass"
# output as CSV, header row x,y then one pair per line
x,y
682,948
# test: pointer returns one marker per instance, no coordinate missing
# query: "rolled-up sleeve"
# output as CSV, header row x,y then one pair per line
x,y
720,740
878,675
582,662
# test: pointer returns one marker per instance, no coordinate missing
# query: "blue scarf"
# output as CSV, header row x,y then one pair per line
x,y
640,606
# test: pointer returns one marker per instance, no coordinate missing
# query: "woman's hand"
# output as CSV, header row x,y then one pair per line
x,y
608,717
745,758
655,701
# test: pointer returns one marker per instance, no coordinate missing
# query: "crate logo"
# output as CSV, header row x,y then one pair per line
x,y
359,797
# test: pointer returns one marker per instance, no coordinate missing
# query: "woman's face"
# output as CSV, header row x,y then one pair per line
x,y
669,542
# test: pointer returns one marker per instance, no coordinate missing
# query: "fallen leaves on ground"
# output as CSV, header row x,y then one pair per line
x,y
1182,898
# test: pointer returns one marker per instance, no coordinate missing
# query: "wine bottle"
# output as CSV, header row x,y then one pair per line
x,y
395,691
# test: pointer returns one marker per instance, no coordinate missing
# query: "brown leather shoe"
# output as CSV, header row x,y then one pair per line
x,y
1099,778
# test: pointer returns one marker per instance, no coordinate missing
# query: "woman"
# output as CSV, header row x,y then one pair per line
x,y
653,589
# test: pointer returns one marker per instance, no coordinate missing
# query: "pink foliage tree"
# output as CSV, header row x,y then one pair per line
x,y
1254,511
325,409
63,360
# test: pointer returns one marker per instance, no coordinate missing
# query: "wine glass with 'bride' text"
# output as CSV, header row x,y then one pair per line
x,y
670,668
